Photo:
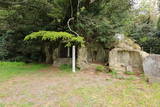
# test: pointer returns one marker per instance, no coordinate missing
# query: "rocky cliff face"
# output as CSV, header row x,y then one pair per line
x,y
151,66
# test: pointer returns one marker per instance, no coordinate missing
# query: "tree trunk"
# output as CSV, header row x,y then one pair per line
x,y
54,54
48,52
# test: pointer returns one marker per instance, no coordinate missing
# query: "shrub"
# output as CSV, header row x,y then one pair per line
x,y
113,73
66,67
130,73
100,68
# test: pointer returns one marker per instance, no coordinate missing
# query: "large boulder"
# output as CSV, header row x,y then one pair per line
x,y
95,53
151,66
82,61
127,55
126,60
91,53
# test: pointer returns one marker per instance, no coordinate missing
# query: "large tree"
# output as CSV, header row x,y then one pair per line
x,y
96,20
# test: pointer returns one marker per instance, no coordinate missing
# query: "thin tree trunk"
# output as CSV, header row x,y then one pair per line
x,y
54,54
48,54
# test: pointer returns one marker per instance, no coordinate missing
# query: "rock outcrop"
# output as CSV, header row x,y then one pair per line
x,y
95,53
82,61
151,66
61,61
127,55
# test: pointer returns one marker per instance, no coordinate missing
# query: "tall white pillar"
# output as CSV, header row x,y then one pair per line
x,y
73,59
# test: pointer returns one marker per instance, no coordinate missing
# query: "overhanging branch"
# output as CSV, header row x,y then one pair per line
x,y
68,23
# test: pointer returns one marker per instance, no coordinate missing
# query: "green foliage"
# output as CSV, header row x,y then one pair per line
x,y
97,22
103,21
29,16
158,24
142,28
65,68
98,30
100,68
59,10
13,48
116,74
147,36
11,64
130,73
3,51
113,73
56,36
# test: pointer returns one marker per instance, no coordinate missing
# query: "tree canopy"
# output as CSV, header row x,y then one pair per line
x,y
52,36
96,20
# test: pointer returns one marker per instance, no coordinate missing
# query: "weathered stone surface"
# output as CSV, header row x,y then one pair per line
x,y
126,60
60,61
82,58
129,68
119,37
95,53
125,42
151,66
126,56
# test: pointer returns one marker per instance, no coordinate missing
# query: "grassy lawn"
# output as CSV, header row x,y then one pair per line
x,y
12,69
20,87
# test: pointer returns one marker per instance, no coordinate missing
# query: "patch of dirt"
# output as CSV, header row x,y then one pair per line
x,y
49,86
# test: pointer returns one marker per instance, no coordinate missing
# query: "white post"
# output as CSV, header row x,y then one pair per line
x,y
73,59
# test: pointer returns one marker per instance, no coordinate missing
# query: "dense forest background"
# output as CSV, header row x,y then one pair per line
x,y
96,20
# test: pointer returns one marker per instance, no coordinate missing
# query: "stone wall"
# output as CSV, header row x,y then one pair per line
x,y
151,66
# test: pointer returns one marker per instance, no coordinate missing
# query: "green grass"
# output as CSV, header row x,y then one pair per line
x,y
66,68
122,93
17,105
75,91
100,68
129,73
12,69
113,73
